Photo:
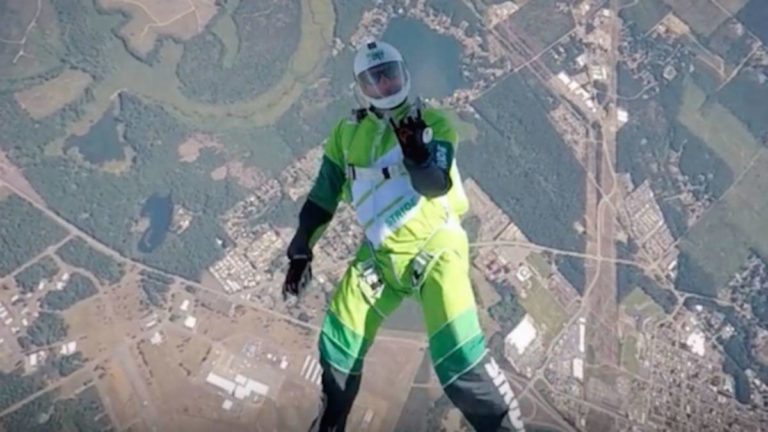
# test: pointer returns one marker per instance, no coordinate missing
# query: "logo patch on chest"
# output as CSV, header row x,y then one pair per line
x,y
401,211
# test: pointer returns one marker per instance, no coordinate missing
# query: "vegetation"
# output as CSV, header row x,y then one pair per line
x,y
259,63
717,127
745,97
754,16
524,165
507,312
458,12
707,172
733,45
738,347
155,287
644,15
349,13
23,138
78,253
101,144
223,26
14,387
78,288
540,23
718,245
68,364
157,277
25,232
44,269
88,39
48,328
740,380
82,413
572,269
107,206
630,277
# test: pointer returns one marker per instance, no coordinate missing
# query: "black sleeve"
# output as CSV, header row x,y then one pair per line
x,y
432,179
311,218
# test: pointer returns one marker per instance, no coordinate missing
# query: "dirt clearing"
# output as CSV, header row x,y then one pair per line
x,y
180,19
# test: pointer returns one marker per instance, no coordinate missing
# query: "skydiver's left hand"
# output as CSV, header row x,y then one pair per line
x,y
413,134
299,269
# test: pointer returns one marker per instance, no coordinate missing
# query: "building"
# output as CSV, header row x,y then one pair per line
x,y
578,369
242,387
68,348
522,335
219,381
696,342
190,322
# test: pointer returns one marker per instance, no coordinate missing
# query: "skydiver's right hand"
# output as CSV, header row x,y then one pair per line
x,y
299,269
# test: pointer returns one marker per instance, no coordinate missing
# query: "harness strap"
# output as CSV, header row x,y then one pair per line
x,y
376,174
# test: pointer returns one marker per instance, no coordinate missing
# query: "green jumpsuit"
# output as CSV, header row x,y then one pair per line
x,y
414,247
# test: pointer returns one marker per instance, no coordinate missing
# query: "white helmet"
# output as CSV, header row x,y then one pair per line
x,y
381,75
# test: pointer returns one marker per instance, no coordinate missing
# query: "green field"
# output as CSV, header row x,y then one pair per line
x,y
43,48
639,301
718,128
745,96
306,64
226,29
719,244
543,308
540,265
733,6
702,16
644,14
629,359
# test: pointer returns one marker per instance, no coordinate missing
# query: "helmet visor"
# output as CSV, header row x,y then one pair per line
x,y
383,80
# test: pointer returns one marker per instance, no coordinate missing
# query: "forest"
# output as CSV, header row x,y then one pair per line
x,y
25,232
78,287
521,161
78,253
43,269
267,36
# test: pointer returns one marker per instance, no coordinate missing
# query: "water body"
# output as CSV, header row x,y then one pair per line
x,y
101,144
433,59
159,210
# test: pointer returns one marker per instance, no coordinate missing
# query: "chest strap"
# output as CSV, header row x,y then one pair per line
x,y
376,174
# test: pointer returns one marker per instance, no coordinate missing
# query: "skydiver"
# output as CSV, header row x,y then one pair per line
x,y
394,162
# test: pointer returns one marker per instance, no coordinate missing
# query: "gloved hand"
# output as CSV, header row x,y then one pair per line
x,y
300,267
413,134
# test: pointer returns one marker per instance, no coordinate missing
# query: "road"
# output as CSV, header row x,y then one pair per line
x,y
49,250
602,291
96,244
534,246
146,403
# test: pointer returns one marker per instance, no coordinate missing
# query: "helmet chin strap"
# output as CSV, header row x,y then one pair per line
x,y
387,114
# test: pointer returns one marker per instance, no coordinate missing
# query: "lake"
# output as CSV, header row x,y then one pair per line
x,y
433,59
101,143
159,210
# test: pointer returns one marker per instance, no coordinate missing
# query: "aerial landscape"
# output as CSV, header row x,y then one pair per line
x,y
154,156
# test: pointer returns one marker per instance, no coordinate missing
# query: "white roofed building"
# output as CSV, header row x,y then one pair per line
x,y
522,335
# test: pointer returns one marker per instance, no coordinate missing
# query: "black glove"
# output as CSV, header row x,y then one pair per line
x,y
413,134
300,267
